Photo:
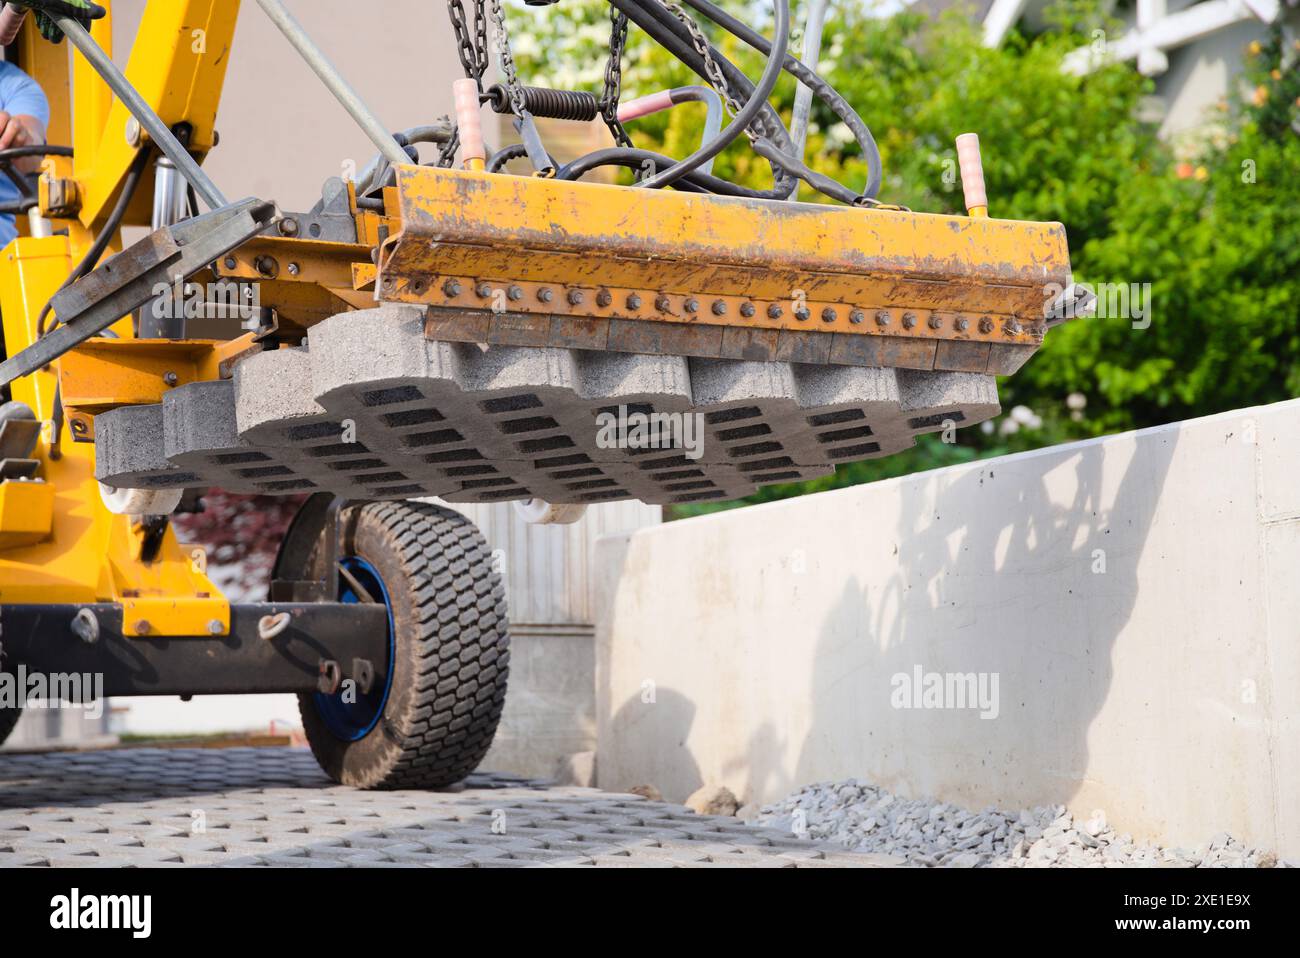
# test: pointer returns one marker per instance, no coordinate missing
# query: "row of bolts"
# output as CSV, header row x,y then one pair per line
x,y
575,297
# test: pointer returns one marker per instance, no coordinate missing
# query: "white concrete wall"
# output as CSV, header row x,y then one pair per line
x,y
63,727
1164,690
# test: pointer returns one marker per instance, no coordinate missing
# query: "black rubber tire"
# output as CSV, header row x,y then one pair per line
x,y
8,719
451,657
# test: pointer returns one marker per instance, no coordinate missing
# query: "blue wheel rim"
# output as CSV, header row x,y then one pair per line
x,y
354,720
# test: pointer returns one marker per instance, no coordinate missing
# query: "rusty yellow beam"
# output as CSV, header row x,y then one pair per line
x,y
493,227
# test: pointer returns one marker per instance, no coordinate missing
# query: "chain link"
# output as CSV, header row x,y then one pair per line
x,y
711,68
513,89
614,78
472,47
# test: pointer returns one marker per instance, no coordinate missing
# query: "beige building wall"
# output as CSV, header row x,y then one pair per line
x,y
282,133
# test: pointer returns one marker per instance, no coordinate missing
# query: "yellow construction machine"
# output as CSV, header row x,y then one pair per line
x,y
445,329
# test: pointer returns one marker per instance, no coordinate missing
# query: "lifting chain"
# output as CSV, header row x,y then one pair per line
x,y
513,90
614,78
714,72
472,47
524,122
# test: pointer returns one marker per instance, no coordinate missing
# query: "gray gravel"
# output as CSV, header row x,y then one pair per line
x,y
929,833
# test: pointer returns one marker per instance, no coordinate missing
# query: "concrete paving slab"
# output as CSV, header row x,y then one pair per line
x,y
274,807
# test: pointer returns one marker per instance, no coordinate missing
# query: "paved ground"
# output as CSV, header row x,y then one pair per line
x,y
273,806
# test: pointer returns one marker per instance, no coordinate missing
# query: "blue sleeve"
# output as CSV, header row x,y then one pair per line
x,y
20,94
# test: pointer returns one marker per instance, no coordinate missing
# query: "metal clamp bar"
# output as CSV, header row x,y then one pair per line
x,y
330,76
152,123
49,639
127,280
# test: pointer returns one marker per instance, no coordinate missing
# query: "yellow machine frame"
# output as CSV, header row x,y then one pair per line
x,y
58,543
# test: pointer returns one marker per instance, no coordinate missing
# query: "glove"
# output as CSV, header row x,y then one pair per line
x,y
83,11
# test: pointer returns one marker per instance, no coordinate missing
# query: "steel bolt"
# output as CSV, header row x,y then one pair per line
x,y
774,311
935,321
294,269
230,262
1012,328
909,320
746,309
170,378
215,627
719,308
575,297
856,316
633,301
142,627
663,303
483,291
288,226
451,289
882,317
692,305
515,293
986,325
802,314
545,295
603,298
962,324
829,315
85,626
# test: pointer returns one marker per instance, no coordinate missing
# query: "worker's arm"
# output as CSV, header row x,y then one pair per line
x,y
24,114
22,130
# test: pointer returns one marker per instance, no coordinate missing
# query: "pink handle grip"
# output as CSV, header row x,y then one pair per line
x,y
468,122
11,21
645,105
972,170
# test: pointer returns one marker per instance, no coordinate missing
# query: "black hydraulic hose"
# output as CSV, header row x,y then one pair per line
x,y
662,27
106,233
501,157
33,149
809,78
634,159
7,156
516,151
818,181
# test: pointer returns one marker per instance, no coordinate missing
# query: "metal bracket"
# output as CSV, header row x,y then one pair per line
x,y
363,673
331,677
127,280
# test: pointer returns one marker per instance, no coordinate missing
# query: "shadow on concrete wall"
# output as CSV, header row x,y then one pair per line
x,y
667,725
870,637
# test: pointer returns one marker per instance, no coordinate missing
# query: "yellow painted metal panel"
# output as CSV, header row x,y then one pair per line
x,y
26,512
527,230
178,65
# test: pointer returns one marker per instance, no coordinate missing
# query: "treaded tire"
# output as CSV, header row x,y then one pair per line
x,y
451,656
8,719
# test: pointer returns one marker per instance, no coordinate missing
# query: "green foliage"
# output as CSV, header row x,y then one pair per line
x,y
1214,232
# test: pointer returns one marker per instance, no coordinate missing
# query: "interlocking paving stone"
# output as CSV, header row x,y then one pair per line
x,y
495,423
273,807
